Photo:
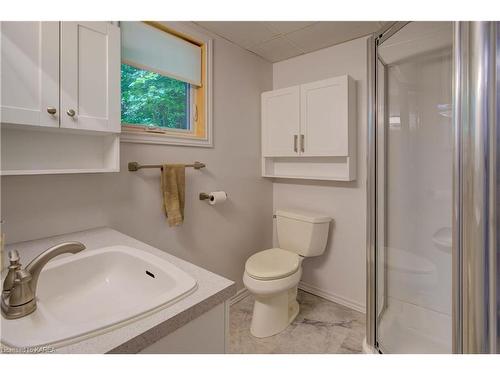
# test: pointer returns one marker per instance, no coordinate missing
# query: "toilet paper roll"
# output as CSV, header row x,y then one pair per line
x,y
216,197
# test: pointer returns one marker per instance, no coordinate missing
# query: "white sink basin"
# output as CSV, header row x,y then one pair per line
x,y
94,291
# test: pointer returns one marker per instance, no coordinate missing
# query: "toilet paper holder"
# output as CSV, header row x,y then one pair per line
x,y
212,198
204,196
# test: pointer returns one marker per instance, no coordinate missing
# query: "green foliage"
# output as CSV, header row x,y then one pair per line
x,y
152,99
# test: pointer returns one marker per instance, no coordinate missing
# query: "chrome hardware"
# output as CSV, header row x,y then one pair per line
x,y
475,244
51,110
295,143
302,143
19,286
71,112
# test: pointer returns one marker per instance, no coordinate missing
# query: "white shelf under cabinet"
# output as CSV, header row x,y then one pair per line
x,y
30,151
334,168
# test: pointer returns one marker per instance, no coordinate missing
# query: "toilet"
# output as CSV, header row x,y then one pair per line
x,y
272,275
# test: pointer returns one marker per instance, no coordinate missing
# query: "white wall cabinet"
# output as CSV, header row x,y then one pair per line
x,y
90,76
65,76
30,73
309,131
281,121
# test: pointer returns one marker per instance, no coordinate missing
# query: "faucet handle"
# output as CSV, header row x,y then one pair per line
x,y
13,257
22,276
21,292
8,282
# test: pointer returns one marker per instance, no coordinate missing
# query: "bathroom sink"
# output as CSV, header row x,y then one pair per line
x,y
94,291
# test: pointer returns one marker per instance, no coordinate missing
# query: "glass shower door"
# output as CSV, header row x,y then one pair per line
x,y
414,154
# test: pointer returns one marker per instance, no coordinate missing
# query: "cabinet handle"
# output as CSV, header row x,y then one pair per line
x,y
51,110
295,143
70,112
302,147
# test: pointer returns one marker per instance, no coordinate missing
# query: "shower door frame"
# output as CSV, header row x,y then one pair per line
x,y
372,316
475,251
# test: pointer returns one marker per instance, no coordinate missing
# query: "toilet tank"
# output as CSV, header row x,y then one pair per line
x,y
304,233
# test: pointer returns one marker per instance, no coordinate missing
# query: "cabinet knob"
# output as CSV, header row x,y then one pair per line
x,y
70,112
51,110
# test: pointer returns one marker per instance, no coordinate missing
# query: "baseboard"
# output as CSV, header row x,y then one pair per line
x,y
240,294
332,297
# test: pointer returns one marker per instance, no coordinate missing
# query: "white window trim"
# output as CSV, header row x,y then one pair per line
x,y
183,139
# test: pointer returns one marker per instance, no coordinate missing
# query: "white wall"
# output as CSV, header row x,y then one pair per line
x,y
218,238
340,272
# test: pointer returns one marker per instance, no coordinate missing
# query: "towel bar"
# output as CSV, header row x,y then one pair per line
x,y
135,166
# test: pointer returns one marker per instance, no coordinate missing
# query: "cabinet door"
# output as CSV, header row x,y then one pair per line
x,y
325,117
30,73
280,122
90,76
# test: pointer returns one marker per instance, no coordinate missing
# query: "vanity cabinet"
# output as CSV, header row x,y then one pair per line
x,y
206,334
309,131
64,76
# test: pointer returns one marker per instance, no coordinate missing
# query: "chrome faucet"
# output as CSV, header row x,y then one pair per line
x,y
19,286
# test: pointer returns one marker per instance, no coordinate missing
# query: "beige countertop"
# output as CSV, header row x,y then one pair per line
x,y
135,335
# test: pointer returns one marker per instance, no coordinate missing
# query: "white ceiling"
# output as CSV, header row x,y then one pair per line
x,y
280,40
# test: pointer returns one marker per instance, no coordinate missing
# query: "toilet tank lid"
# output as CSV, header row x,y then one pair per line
x,y
301,215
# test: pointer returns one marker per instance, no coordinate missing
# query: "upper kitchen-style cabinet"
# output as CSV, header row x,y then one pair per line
x,y
64,76
90,76
309,131
30,73
61,74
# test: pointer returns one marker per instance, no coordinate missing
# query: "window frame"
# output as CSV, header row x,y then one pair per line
x,y
200,133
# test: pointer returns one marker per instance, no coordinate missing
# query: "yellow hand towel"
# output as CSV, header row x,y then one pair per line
x,y
173,191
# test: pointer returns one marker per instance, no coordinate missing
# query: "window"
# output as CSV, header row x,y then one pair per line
x,y
164,83
154,101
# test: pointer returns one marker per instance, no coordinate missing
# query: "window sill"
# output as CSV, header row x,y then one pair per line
x,y
162,139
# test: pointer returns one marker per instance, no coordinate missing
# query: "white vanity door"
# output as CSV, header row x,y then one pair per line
x,y
90,76
280,122
325,117
30,73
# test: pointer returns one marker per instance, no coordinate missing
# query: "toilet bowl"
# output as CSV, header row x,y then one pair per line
x,y
272,275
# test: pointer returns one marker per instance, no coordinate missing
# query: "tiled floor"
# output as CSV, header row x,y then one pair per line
x,y
321,327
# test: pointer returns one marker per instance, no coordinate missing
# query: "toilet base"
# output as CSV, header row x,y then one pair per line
x,y
272,314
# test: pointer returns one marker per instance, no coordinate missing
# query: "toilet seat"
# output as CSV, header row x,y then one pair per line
x,y
272,264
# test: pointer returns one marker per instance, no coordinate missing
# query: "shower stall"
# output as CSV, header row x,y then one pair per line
x,y
433,188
